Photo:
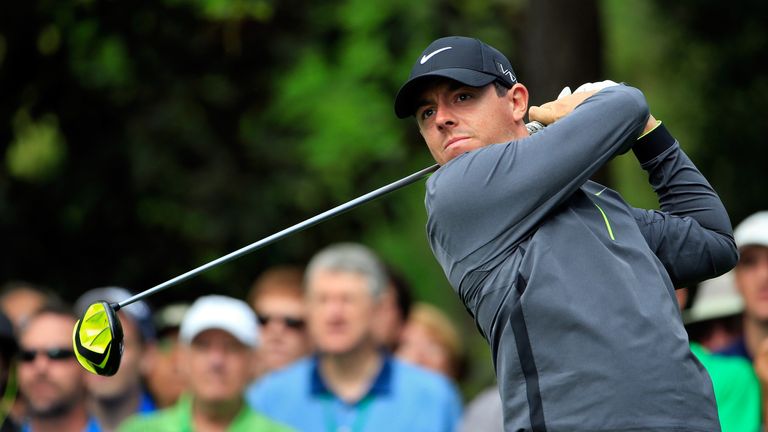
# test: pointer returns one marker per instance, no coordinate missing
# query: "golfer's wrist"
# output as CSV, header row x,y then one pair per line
x,y
650,125
653,143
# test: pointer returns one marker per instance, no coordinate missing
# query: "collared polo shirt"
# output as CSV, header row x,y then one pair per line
x,y
401,398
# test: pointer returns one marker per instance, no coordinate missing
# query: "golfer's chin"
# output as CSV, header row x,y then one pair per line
x,y
458,148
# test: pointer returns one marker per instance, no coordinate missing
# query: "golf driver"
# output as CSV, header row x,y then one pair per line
x,y
98,335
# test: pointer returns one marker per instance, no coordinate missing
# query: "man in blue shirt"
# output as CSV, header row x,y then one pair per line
x,y
350,384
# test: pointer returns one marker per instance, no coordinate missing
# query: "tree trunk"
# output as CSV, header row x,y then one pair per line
x,y
561,45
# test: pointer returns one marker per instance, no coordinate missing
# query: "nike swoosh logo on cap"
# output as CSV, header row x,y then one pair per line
x,y
426,58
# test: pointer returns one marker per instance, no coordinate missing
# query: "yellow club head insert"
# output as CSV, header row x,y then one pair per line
x,y
98,339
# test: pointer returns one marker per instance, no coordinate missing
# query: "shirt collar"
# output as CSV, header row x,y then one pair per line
x,y
382,384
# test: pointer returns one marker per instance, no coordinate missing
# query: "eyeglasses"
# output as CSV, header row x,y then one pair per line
x,y
27,356
290,322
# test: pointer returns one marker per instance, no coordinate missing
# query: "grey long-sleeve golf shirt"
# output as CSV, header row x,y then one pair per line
x,y
572,287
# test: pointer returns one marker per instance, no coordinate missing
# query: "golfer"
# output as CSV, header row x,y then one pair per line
x,y
572,287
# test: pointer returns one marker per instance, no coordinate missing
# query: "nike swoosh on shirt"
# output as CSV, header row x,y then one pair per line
x,y
426,58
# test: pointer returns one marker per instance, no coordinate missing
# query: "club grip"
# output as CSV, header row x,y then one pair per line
x,y
534,127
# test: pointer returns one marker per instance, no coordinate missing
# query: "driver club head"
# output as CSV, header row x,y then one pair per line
x,y
98,339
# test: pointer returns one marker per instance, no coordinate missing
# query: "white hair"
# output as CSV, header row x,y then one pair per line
x,y
351,258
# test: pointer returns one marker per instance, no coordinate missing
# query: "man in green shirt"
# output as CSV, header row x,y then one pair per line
x,y
737,389
218,337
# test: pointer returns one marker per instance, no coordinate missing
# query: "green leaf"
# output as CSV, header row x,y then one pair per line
x,y
38,149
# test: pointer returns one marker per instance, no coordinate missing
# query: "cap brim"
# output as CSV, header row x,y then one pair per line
x,y
742,243
405,101
723,309
191,331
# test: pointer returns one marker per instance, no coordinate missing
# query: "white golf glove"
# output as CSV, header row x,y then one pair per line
x,y
597,86
566,101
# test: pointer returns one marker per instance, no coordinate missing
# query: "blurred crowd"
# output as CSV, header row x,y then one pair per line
x,y
338,345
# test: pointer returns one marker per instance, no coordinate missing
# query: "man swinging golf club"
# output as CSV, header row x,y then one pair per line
x,y
572,287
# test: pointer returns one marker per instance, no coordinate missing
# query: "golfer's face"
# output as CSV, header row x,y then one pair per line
x,y
454,118
50,379
217,366
752,280
340,310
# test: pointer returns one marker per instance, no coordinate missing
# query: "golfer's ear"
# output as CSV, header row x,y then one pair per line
x,y
518,98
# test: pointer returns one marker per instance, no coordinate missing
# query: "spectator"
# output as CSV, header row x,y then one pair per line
x,y
8,387
431,340
737,391
218,337
164,379
350,384
393,310
19,300
277,296
751,275
714,320
51,382
113,399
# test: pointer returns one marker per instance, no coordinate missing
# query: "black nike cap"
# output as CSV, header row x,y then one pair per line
x,y
466,60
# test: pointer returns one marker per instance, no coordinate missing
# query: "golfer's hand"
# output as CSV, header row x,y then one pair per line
x,y
551,112
566,101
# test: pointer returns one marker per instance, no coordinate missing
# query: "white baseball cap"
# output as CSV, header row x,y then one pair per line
x,y
220,312
752,230
716,298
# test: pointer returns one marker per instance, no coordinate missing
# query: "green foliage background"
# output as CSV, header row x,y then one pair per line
x,y
142,139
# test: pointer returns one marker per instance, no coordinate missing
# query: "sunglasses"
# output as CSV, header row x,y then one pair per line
x,y
27,356
290,322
